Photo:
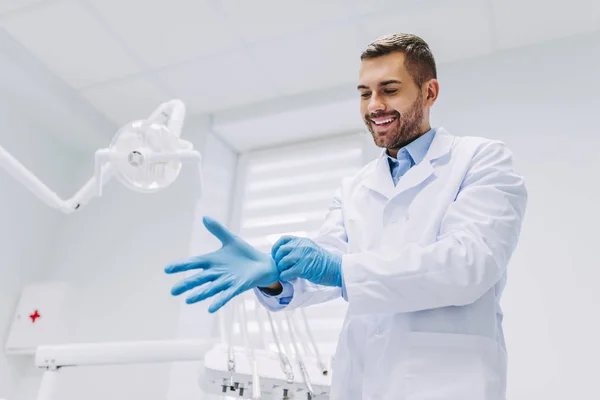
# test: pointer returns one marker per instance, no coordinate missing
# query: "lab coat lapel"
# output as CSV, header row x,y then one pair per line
x,y
414,176
418,174
379,179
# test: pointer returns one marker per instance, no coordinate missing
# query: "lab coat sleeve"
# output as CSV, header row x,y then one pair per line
x,y
300,292
477,237
276,302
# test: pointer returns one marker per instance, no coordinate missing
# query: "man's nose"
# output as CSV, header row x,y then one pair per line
x,y
375,105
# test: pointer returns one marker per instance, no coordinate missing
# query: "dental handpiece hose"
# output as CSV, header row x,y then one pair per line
x,y
320,362
250,352
286,366
311,392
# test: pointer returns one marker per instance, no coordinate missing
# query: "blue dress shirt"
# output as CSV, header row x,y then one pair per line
x,y
410,155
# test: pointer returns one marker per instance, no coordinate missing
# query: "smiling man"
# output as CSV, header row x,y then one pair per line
x,y
397,91
417,242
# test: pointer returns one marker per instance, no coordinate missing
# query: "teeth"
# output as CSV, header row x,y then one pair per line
x,y
385,121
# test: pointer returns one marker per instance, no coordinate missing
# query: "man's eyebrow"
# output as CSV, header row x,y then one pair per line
x,y
384,83
389,82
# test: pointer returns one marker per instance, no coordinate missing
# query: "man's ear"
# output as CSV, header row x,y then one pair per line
x,y
432,88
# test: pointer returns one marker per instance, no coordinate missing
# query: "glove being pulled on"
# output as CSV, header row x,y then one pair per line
x,y
228,272
302,258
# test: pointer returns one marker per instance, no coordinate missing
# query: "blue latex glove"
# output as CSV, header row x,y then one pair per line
x,y
229,271
302,258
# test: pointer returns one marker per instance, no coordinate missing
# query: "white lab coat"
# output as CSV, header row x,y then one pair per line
x,y
424,265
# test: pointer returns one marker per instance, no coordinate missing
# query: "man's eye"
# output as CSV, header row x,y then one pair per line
x,y
365,95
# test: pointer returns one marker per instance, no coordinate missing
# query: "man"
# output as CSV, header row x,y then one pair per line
x,y
417,242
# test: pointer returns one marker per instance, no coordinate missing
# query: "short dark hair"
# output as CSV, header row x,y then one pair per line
x,y
420,62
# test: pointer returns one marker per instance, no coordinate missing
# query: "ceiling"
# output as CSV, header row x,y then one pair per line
x,y
243,61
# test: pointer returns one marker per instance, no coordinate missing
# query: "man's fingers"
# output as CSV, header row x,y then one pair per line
x,y
224,297
218,230
284,251
290,274
209,290
287,262
280,242
200,262
192,282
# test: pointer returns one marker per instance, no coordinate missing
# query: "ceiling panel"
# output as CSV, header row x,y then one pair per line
x,y
293,126
165,33
265,19
219,55
313,60
370,7
8,6
71,42
126,99
525,22
453,29
218,82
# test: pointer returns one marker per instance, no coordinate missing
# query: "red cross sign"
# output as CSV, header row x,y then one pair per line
x,y
35,316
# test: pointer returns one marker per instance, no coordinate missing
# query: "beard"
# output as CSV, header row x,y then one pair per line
x,y
409,124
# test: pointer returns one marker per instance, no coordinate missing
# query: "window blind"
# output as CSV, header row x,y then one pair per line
x,y
287,191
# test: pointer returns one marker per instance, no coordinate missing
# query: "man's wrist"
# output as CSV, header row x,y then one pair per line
x,y
273,290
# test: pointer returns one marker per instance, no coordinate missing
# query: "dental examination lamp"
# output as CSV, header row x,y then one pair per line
x,y
145,155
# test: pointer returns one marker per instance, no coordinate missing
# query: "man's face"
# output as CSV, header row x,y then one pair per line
x,y
392,105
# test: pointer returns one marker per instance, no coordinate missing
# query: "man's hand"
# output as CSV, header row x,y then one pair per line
x,y
302,258
229,271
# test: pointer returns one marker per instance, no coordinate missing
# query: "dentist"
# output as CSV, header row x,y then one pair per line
x,y
417,242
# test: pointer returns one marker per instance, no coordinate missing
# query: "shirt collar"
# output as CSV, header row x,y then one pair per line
x,y
417,149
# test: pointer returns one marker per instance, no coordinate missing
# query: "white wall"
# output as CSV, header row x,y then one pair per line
x,y
33,106
26,224
543,102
